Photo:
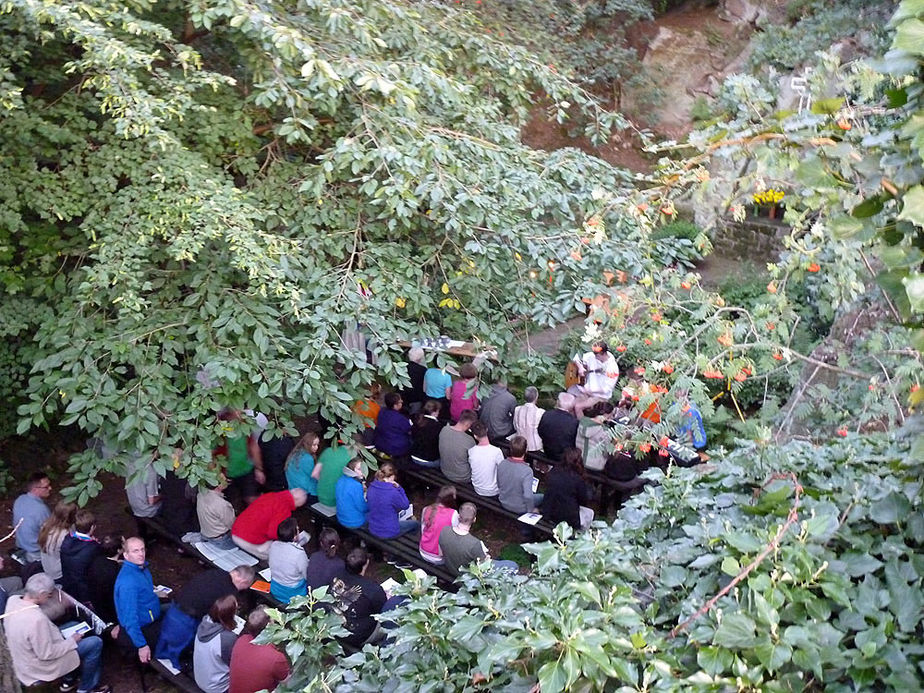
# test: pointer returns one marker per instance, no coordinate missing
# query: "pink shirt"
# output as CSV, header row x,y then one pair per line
x,y
430,536
464,395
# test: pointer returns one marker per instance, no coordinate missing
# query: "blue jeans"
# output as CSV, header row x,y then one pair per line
x,y
222,542
431,464
407,526
537,499
90,650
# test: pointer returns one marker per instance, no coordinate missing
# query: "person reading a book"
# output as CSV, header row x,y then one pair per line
x,y
40,653
387,501
288,563
515,480
215,638
192,603
459,548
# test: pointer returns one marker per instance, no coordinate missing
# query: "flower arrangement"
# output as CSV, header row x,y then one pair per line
x,y
769,197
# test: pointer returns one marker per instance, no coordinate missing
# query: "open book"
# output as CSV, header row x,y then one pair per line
x,y
530,518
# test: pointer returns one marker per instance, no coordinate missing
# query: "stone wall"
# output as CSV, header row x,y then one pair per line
x,y
758,240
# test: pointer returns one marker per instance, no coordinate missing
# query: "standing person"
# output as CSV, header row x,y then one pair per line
x,y
178,504
386,499
425,448
216,515
255,528
497,411
515,480
392,434
332,461
142,487
691,429
40,653
215,638
358,600
599,370
288,563
324,564
52,535
350,495
464,393
454,446
483,459
566,492
558,427
413,396
256,667
526,419
593,438
30,510
459,548
193,602
78,550
274,451
243,459
438,386
301,470
136,604
434,518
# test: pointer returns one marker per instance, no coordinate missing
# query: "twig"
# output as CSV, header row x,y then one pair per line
x,y
790,519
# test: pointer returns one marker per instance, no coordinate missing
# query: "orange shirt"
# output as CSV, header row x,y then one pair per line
x,y
368,409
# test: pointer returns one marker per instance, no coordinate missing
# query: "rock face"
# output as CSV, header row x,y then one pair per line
x,y
741,11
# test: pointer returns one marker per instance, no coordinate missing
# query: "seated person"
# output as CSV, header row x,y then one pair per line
x,y
324,564
137,607
193,602
526,419
691,431
459,547
256,667
101,578
301,470
386,499
39,652
464,393
216,515
599,370
413,396
515,480
454,445
438,386
255,528
351,495
434,518
497,411
215,638
243,458
393,430
558,427
358,599
369,409
288,563
425,436
30,513
332,461
566,493
483,458
52,535
594,438
78,550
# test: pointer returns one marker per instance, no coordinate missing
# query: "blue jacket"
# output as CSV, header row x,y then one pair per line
x,y
385,502
392,433
298,473
135,602
693,426
351,503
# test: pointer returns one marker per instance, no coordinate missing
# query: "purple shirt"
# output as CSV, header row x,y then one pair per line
x,y
385,502
393,433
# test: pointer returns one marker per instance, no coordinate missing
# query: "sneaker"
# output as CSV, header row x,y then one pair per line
x,y
67,685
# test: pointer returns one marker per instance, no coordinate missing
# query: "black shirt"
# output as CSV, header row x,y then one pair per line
x,y
565,492
415,393
426,438
358,598
557,429
198,595
101,578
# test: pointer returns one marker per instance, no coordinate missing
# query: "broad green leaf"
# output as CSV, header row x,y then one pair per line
x,y
913,204
736,631
909,36
890,509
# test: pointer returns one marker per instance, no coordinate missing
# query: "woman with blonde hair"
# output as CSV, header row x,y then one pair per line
x,y
51,535
302,469
386,500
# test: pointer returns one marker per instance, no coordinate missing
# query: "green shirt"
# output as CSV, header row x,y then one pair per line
x,y
332,462
238,461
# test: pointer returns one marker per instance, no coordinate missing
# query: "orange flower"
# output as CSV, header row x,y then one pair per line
x,y
814,267
643,207
656,317
842,432
915,388
621,347
771,326
725,340
668,368
771,287
647,342
778,356
645,447
639,370
664,442
576,255
686,285
667,211
844,124
663,452
715,375
740,376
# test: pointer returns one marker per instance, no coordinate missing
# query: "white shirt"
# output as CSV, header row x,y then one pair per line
x,y
526,422
600,376
484,460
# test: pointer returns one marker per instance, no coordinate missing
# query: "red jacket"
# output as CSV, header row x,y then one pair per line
x,y
259,521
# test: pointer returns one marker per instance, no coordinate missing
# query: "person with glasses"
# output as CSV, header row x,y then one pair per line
x,y
30,510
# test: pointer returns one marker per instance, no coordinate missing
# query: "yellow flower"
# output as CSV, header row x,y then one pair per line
x,y
400,302
445,288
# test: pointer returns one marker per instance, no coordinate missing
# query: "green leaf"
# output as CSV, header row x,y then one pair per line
x,y
913,205
844,227
910,37
890,509
552,677
730,566
745,543
736,631
714,660
914,288
773,656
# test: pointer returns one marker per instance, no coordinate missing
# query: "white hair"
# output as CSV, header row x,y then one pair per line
x,y
565,401
416,354
39,585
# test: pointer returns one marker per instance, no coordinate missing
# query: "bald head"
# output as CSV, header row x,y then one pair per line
x,y
299,496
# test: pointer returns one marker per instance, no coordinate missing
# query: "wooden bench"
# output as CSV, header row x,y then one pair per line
x,y
434,478
404,548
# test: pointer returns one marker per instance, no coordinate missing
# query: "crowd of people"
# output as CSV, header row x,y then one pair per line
x,y
437,422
